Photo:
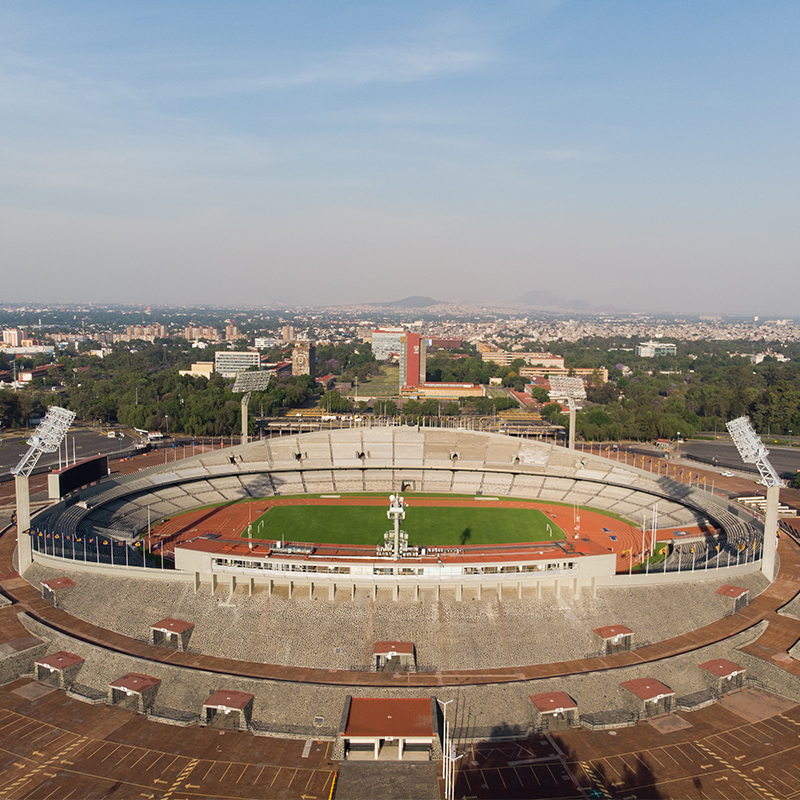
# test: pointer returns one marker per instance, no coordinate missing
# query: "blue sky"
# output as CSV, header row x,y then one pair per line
x,y
642,154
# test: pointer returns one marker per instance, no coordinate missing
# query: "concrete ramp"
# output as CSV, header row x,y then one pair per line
x,y
381,779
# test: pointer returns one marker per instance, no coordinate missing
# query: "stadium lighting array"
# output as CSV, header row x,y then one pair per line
x,y
752,451
46,438
245,384
565,387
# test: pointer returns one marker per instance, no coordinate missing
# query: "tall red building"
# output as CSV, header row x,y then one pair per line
x,y
412,360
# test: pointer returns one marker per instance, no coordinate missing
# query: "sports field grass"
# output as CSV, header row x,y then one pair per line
x,y
426,526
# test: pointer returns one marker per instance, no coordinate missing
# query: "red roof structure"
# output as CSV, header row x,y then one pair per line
x,y
647,688
407,648
60,660
55,584
612,631
228,699
731,591
551,702
381,717
135,682
721,667
171,625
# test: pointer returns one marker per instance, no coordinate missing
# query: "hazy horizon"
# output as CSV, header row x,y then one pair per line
x,y
634,154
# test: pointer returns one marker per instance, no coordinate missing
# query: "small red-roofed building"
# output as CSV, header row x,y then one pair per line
x,y
172,633
53,589
389,729
728,676
58,669
228,709
614,638
738,595
554,711
655,697
135,691
394,657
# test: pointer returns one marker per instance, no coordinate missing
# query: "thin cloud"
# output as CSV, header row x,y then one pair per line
x,y
358,66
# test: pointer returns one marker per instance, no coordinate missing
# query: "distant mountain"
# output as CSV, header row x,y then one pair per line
x,y
415,301
541,298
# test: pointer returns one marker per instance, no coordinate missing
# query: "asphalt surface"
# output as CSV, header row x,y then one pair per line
x,y
786,460
81,442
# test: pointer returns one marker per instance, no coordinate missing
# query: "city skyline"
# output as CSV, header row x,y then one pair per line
x,y
640,156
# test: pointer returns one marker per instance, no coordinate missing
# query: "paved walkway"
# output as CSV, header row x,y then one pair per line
x,y
781,633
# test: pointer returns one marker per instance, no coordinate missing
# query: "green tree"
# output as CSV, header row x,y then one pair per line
x,y
335,403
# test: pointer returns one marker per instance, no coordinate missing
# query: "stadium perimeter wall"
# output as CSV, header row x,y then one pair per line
x,y
304,583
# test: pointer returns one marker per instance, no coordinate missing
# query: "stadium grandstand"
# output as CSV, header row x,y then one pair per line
x,y
491,625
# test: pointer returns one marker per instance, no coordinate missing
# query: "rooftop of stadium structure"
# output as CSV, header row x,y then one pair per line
x,y
433,555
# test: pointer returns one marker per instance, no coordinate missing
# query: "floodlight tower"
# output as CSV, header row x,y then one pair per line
x,y
564,387
46,438
245,384
396,512
753,451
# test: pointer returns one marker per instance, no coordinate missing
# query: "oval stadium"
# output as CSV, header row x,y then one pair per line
x,y
527,593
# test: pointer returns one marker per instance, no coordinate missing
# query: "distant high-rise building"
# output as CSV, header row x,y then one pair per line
x,y
655,349
231,362
503,358
386,342
147,333
288,333
13,336
193,334
412,360
232,333
303,358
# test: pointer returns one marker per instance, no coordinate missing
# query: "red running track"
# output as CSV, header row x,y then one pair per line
x,y
590,532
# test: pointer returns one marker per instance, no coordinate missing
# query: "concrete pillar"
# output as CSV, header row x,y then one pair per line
x,y
480,591
291,589
270,587
594,587
213,582
499,591
459,591
438,592
332,591
576,587
250,586
311,590
245,401
416,591
519,590
24,555
400,743
196,582
396,592
233,584
770,533
572,414
374,591
352,592
377,748
539,589
557,588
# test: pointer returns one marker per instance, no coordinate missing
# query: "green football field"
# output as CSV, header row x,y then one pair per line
x,y
426,526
